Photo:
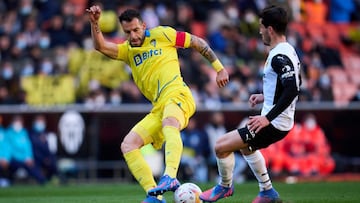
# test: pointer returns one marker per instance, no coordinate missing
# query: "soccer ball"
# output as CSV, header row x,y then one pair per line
x,y
187,193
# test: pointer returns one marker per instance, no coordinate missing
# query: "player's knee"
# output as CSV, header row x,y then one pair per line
x,y
220,151
171,121
131,142
129,145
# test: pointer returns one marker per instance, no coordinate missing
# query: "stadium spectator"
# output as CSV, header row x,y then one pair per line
x,y
315,12
304,152
220,39
28,34
341,11
43,156
4,157
59,34
114,98
5,46
193,164
31,32
5,96
317,149
214,128
21,152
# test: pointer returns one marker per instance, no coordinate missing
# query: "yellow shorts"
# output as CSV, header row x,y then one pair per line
x,y
180,105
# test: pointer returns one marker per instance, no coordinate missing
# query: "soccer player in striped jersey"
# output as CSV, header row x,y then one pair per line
x,y
152,57
281,85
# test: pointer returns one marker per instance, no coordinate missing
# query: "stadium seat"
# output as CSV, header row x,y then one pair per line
x,y
355,77
332,35
351,61
314,31
343,92
299,28
337,75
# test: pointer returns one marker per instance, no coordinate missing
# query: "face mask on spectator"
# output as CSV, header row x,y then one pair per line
x,y
25,10
100,100
250,17
61,60
324,81
39,126
47,67
252,87
7,73
115,99
44,42
17,126
233,13
28,70
21,43
310,123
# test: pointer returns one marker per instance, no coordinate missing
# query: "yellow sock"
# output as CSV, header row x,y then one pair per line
x,y
173,150
140,169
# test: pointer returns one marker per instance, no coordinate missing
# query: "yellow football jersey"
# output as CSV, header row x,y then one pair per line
x,y
155,65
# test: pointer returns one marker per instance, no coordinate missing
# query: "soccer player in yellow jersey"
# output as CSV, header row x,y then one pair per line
x,y
152,56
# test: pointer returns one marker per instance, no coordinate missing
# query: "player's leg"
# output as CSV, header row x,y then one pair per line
x,y
225,147
258,167
140,135
173,145
173,120
256,161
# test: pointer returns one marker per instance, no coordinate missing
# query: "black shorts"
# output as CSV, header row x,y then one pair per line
x,y
263,138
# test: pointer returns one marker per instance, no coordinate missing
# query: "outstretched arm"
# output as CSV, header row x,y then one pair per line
x,y
204,49
108,48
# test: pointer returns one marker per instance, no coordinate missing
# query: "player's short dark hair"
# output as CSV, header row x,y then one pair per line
x,y
129,14
276,17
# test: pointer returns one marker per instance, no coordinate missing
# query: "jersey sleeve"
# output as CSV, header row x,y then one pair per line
x,y
123,51
284,67
180,39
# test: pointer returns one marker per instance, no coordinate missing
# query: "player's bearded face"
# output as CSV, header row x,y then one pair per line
x,y
135,32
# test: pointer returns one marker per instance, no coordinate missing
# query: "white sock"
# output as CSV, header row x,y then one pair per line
x,y
257,164
226,168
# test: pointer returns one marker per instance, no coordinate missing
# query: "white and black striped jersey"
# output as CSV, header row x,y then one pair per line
x,y
281,86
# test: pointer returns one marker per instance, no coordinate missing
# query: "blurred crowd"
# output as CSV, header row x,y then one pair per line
x,y
27,152
304,152
47,56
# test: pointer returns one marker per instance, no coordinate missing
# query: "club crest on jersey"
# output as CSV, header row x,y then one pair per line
x,y
153,42
140,58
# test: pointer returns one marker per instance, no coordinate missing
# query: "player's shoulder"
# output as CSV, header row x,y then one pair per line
x,y
284,48
161,28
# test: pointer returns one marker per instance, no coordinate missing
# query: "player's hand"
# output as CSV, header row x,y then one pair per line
x,y
256,99
256,123
222,78
94,13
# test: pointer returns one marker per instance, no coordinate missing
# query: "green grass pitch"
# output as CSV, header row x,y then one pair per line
x,y
319,192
